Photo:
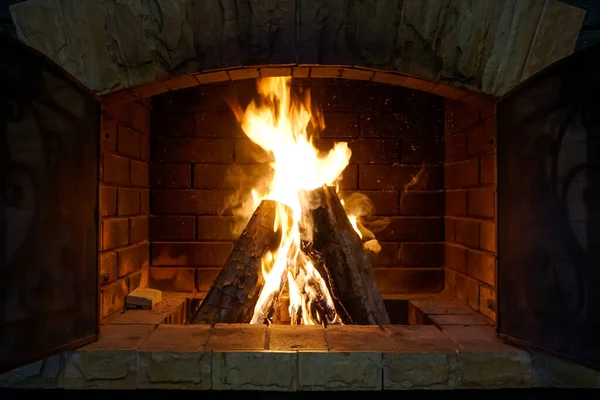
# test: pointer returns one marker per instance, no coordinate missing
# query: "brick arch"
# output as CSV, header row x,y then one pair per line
x,y
486,48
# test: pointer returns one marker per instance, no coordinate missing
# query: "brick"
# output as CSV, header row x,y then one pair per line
x,y
459,115
248,152
148,90
349,178
419,84
171,122
138,173
456,147
138,229
107,264
216,124
203,202
422,203
422,254
140,118
481,138
456,202
193,150
191,254
128,201
422,149
387,256
144,202
481,266
462,174
120,112
115,169
108,133
487,236
467,232
138,279
399,177
409,280
450,229
108,201
487,169
456,258
128,260
171,279
217,228
211,77
145,147
115,233
169,175
205,278
277,71
244,73
181,82
487,302
412,229
374,202
375,151
467,290
112,297
340,125
358,74
128,142
232,176
481,203
390,79
144,254
401,125
172,227
449,91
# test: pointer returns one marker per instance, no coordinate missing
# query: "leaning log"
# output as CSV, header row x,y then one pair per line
x,y
350,276
233,294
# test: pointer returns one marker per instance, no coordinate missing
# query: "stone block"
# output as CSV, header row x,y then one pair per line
x,y
357,338
244,73
172,369
263,370
339,371
42,374
101,369
121,337
230,337
298,338
429,370
177,338
420,339
143,298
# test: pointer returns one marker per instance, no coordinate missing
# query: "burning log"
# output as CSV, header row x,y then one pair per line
x,y
350,276
234,292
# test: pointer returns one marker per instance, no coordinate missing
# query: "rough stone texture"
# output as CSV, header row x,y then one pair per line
x,y
229,337
254,371
101,369
298,338
550,371
43,374
339,371
357,338
432,370
485,46
175,370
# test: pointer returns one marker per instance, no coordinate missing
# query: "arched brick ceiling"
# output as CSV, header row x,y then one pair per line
x,y
483,46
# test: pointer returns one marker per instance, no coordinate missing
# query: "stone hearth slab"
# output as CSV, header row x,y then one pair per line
x,y
290,338
237,337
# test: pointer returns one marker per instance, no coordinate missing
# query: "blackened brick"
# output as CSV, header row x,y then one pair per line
x,y
138,173
115,233
412,229
198,254
481,266
481,138
409,280
171,279
487,170
193,150
128,260
400,124
456,258
349,179
108,201
204,202
375,151
172,227
128,201
216,124
120,112
108,267
205,278
144,202
170,122
450,229
140,117
422,203
216,228
231,176
115,169
138,228
422,149
456,202
456,147
145,147
128,142
247,151
422,254
458,116
481,203
340,125
108,133
388,255
399,177
373,202
467,232
462,174
170,175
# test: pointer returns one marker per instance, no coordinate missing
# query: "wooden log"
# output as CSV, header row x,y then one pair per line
x,y
233,294
344,261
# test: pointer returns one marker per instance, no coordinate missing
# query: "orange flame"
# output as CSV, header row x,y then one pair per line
x,y
279,125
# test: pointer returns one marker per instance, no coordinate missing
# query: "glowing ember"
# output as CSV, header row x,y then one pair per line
x,y
279,125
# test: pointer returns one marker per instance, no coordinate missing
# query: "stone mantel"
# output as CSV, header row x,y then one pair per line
x,y
483,46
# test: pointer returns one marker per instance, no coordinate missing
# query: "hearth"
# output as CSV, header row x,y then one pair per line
x,y
373,222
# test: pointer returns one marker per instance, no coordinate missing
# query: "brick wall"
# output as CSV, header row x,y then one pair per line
x,y
124,203
470,181
200,158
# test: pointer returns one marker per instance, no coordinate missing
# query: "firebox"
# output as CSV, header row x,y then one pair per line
x,y
243,228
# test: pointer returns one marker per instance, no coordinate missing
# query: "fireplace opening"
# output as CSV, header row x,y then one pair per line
x,y
416,179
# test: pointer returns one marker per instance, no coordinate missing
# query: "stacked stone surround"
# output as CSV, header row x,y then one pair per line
x,y
201,159
470,188
453,354
483,47
124,203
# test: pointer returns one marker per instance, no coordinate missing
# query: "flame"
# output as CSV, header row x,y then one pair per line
x,y
279,125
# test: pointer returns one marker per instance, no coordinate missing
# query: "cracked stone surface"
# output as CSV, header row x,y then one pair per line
x,y
483,46
330,371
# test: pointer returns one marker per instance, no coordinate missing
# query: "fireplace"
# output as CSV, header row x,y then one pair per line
x,y
479,200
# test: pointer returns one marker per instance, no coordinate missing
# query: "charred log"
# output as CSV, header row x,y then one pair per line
x,y
344,261
233,294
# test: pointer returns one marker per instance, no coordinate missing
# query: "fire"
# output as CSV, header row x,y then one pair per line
x,y
279,125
